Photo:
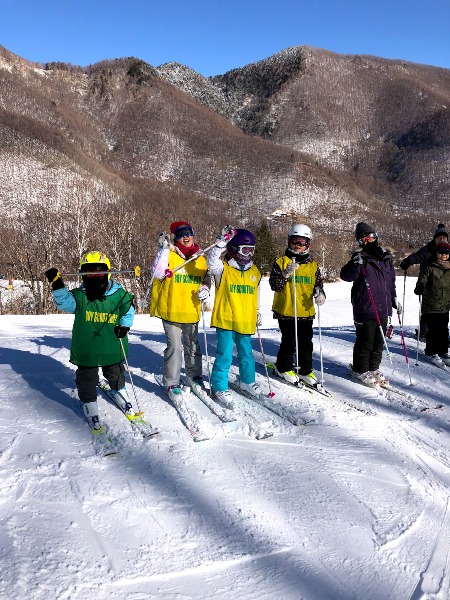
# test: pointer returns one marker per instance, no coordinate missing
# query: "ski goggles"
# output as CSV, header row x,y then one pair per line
x,y
369,237
101,268
183,231
245,250
296,240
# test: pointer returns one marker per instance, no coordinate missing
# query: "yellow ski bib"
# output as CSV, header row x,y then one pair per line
x,y
305,280
175,298
236,302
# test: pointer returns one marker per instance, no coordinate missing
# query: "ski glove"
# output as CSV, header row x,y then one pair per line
x,y
203,293
54,277
357,259
398,306
163,240
225,236
258,319
120,331
404,265
320,299
419,289
292,266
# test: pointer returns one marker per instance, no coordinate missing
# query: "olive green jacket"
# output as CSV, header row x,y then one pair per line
x,y
433,284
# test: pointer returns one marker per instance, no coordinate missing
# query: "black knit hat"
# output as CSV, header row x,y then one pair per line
x,y
441,230
363,229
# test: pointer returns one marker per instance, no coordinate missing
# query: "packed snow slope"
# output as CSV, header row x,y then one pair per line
x,y
352,506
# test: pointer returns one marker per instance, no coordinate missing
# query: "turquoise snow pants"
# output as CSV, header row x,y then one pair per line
x,y
224,357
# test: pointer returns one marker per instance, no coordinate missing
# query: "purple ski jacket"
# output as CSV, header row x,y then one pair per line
x,y
380,276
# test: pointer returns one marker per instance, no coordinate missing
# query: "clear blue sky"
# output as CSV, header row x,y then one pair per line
x,y
213,36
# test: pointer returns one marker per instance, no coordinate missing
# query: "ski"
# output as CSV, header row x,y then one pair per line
x,y
225,415
256,429
274,407
188,416
394,394
300,385
104,443
319,389
443,367
406,399
136,420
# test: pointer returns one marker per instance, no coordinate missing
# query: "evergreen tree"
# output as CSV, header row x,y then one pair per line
x,y
265,253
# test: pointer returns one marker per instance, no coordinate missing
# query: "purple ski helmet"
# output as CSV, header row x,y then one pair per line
x,y
242,246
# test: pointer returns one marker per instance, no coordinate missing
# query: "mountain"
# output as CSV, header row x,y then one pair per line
x,y
387,122
305,134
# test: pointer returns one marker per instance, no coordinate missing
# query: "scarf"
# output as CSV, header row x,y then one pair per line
x,y
187,252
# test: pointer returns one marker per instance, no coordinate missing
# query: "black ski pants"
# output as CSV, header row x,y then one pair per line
x,y
87,380
368,348
437,333
285,356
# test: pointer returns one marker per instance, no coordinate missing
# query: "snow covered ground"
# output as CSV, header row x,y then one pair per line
x,y
352,507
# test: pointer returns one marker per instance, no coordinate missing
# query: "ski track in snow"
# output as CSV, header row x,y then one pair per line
x,y
350,507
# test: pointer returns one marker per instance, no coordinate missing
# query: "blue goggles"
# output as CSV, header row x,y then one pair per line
x,y
183,231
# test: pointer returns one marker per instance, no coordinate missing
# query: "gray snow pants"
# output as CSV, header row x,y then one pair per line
x,y
182,338
87,380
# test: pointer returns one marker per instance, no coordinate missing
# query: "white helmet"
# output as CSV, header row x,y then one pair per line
x,y
301,231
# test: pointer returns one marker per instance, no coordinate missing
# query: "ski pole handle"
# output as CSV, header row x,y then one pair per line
x,y
229,235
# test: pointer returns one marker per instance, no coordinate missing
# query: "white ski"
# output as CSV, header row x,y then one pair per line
x,y
187,414
136,420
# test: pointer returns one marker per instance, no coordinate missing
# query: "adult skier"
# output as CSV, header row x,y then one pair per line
x,y
433,284
235,310
373,296
104,313
296,268
175,301
423,256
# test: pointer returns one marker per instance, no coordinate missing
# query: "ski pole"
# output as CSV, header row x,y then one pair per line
x,y
404,346
404,295
320,346
295,322
206,348
129,374
136,271
170,272
418,331
270,394
372,299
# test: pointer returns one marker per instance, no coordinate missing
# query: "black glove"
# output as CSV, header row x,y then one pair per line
x,y
120,331
419,289
405,264
357,259
54,277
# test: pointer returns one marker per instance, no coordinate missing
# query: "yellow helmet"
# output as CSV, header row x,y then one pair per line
x,y
94,257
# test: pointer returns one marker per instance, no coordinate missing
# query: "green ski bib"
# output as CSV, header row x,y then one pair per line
x,y
94,343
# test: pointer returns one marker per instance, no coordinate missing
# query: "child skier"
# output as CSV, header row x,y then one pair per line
x,y
373,296
104,312
433,284
175,301
296,275
235,310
